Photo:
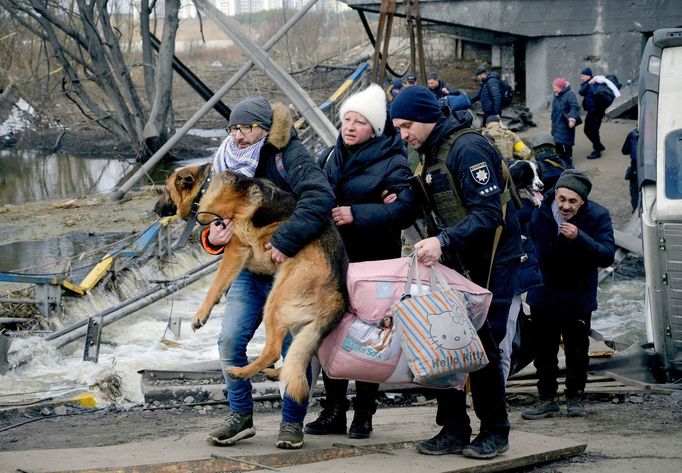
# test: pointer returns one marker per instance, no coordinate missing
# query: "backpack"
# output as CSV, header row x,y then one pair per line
x,y
550,163
507,93
603,96
614,80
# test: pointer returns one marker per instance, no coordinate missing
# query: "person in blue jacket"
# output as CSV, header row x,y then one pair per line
x,y
595,114
490,93
565,117
463,177
368,172
573,238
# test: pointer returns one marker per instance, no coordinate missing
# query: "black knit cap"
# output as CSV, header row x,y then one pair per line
x,y
576,181
416,104
252,110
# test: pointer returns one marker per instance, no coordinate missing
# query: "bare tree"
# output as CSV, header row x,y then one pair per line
x,y
96,77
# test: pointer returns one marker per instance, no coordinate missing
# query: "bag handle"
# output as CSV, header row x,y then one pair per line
x,y
412,272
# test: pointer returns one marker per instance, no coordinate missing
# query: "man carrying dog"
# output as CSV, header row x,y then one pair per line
x,y
573,238
479,234
261,143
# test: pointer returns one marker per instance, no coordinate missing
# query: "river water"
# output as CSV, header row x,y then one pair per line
x,y
134,343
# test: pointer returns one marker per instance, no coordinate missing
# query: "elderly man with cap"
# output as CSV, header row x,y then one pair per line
x,y
477,234
573,238
262,143
490,93
565,117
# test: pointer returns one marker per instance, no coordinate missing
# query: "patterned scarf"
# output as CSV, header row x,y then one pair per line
x,y
230,157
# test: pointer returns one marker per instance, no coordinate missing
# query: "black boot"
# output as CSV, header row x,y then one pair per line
x,y
361,427
332,419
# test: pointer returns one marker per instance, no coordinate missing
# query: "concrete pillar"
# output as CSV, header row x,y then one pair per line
x,y
496,55
507,64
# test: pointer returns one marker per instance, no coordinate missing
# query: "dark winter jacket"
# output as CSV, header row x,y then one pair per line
x,y
358,176
587,92
438,91
472,237
288,164
564,106
490,95
569,267
529,275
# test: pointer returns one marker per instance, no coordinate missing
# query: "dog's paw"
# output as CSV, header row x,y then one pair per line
x,y
198,322
236,372
272,373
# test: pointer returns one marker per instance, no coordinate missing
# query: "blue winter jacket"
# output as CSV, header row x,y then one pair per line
x,y
569,267
490,95
564,106
358,176
587,92
529,275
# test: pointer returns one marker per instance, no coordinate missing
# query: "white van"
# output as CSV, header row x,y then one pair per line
x,y
659,167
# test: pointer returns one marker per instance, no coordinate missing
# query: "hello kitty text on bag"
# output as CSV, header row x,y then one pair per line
x,y
436,333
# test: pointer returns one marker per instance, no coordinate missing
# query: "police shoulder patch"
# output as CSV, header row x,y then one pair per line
x,y
480,173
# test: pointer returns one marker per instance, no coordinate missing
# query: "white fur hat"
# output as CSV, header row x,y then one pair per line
x,y
371,104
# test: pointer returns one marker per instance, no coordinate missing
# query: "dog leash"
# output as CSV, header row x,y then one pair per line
x,y
192,220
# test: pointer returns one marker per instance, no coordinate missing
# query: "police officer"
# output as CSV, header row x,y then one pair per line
x,y
464,179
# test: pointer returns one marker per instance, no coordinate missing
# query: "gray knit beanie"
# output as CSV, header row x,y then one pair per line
x,y
576,181
252,110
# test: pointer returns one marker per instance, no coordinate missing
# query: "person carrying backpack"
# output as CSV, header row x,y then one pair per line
x,y
598,93
491,93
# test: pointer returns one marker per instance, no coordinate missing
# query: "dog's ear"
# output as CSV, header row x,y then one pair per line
x,y
184,179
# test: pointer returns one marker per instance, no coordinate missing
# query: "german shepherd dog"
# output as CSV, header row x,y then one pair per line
x,y
309,293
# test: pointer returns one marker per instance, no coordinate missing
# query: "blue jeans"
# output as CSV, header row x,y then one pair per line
x,y
243,314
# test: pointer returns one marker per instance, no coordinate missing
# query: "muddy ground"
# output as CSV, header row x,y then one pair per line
x,y
623,434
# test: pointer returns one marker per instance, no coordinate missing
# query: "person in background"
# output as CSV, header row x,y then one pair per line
x,y
462,173
410,80
595,113
573,238
630,148
262,143
437,87
565,116
506,141
368,171
490,93
394,89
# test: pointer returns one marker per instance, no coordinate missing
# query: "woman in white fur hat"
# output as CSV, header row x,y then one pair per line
x,y
368,171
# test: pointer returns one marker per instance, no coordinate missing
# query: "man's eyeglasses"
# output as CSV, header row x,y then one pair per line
x,y
243,129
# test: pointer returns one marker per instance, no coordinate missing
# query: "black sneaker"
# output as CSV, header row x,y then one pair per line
x,y
332,420
361,427
542,410
575,407
237,427
290,436
446,441
594,155
486,445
